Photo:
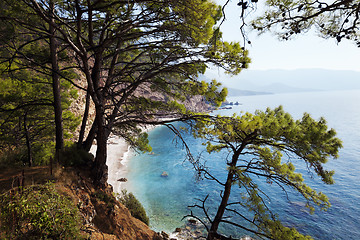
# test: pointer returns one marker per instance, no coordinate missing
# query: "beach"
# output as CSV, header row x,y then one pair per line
x,y
117,156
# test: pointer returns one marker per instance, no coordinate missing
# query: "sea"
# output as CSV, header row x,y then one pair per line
x,y
167,199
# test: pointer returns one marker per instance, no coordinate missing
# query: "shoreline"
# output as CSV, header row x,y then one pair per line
x,y
118,154
118,157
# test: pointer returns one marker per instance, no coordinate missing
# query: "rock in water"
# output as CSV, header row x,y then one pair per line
x,y
122,179
192,221
164,174
164,235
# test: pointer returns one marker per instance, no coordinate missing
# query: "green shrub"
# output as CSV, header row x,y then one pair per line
x,y
12,158
102,196
73,156
17,157
42,152
135,207
38,212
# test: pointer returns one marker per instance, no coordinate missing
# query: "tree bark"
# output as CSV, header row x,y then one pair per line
x,y
91,136
28,142
224,200
100,169
56,87
84,120
220,212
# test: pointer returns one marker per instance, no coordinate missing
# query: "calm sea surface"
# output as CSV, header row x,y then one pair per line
x,y
166,199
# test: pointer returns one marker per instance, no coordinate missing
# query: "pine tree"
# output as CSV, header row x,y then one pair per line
x,y
121,47
263,146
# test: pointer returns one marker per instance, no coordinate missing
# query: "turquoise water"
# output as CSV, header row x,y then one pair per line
x,y
166,199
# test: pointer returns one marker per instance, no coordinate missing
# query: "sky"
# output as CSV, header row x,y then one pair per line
x,y
305,51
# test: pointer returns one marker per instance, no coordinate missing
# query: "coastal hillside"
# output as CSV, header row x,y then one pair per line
x,y
102,216
75,74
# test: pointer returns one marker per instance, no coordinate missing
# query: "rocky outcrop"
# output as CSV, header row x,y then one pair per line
x,y
103,216
193,103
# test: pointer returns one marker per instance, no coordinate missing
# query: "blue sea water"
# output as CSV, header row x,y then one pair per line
x,y
166,199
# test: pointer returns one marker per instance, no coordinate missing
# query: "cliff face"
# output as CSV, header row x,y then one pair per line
x,y
78,105
193,103
103,216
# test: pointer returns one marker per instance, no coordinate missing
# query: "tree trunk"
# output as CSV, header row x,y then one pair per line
x,y
56,87
220,212
224,200
100,169
84,120
28,142
91,136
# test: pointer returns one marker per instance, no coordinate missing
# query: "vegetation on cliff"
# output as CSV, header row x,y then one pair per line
x,y
134,206
64,205
38,211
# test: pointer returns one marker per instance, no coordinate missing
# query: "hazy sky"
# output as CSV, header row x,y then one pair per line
x,y
306,51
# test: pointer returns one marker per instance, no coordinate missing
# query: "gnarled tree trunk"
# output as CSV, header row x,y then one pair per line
x,y
100,169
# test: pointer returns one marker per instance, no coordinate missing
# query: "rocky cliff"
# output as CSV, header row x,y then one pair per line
x,y
194,103
103,216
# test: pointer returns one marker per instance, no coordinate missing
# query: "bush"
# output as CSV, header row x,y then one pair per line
x,y
102,196
73,156
17,156
12,158
134,206
42,152
38,212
